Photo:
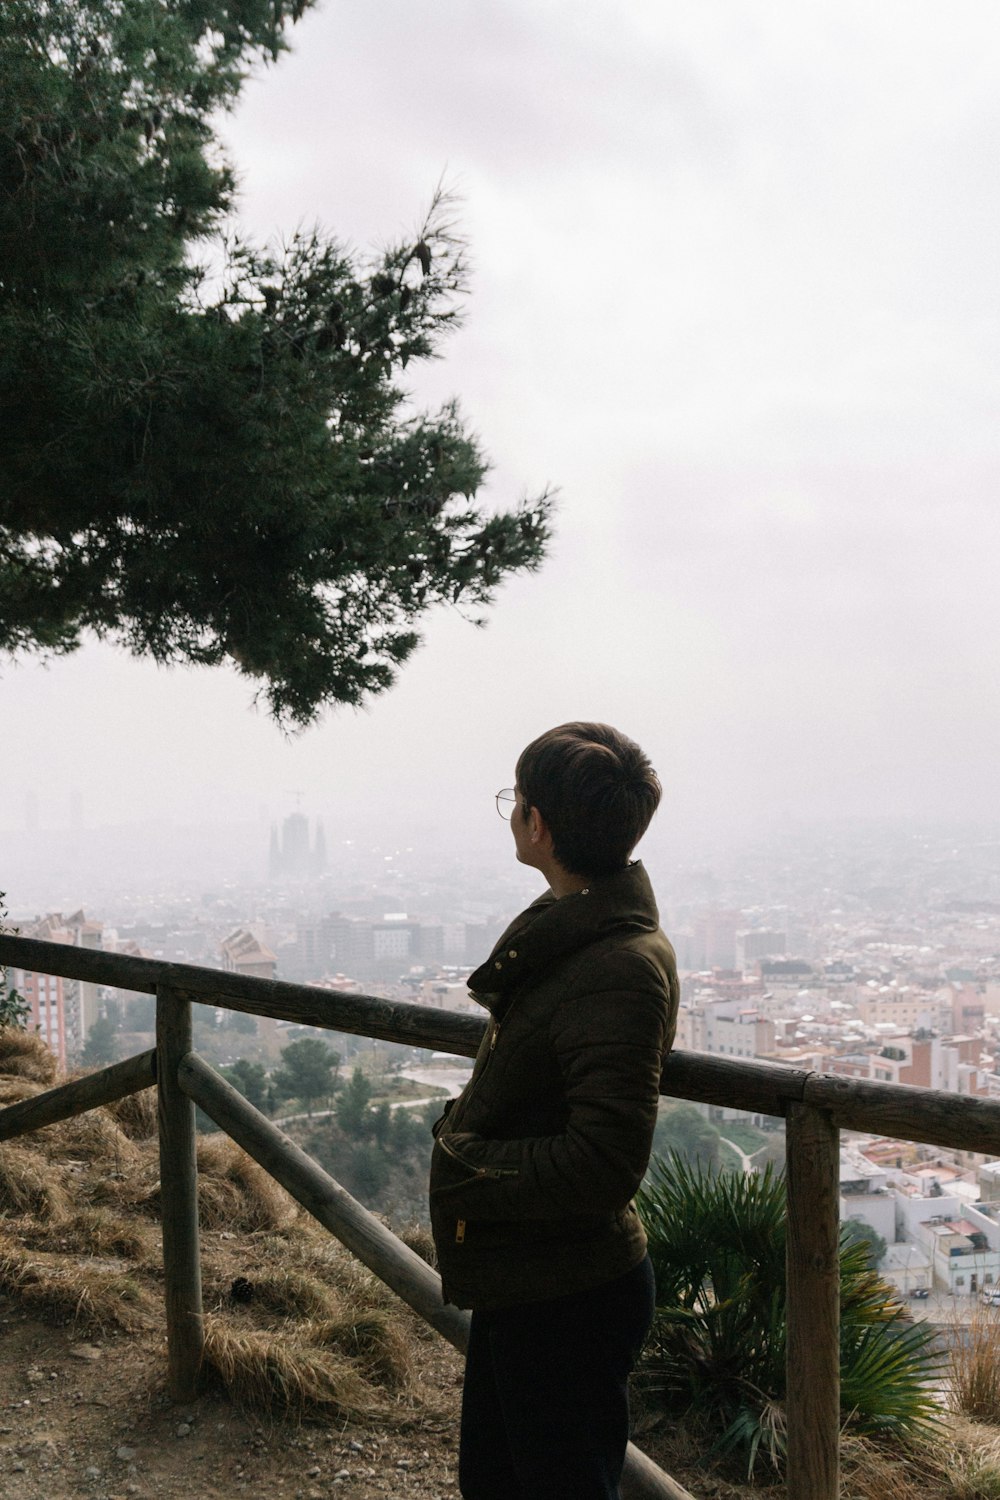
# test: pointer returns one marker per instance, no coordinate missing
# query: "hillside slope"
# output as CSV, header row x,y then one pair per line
x,y
320,1383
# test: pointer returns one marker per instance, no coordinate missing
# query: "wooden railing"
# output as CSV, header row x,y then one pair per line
x,y
815,1107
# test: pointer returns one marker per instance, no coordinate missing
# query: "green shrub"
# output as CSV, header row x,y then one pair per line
x,y
717,1350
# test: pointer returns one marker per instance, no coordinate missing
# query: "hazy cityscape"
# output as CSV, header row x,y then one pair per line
x,y
870,950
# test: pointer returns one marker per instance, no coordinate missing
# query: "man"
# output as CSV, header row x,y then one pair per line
x,y
535,1163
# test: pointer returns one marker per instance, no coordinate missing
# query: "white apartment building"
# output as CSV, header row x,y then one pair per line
x,y
865,1194
727,1027
962,1241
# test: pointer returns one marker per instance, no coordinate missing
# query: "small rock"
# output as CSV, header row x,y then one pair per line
x,y
18,1468
84,1351
402,1463
34,1377
92,1472
183,1429
314,1473
342,1474
125,1453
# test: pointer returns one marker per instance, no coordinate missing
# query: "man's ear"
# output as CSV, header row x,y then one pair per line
x,y
538,831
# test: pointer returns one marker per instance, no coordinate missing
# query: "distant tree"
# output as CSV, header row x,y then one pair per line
x,y
857,1232
382,1123
14,1009
308,1072
140,1013
240,1022
101,1046
684,1130
404,1131
369,1171
214,468
251,1080
353,1113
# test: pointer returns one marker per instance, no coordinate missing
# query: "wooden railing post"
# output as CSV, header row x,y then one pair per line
x,y
178,1198
813,1304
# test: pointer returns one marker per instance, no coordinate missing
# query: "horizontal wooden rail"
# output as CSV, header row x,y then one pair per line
x,y
75,1098
897,1110
410,1277
305,1004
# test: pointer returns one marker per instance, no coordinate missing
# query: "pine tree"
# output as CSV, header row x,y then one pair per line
x,y
214,469
101,1046
308,1072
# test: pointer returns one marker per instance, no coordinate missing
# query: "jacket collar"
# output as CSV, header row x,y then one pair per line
x,y
549,930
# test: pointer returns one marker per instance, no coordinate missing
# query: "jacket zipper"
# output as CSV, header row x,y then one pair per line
x,y
489,1056
476,1171
493,1172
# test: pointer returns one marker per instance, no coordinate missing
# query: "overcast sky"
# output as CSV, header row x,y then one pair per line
x,y
736,294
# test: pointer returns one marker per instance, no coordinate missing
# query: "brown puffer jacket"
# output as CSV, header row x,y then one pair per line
x,y
536,1161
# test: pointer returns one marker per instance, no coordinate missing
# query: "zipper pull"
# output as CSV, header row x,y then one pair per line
x,y
460,1232
495,1033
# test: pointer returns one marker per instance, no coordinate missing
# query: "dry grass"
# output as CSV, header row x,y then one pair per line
x,y
880,1471
974,1367
97,1232
295,1294
30,1185
79,1249
373,1340
64,1289
23,1054
90,1137
235,1193
288,1378
13,1090
135,1114
975,1476
420,1240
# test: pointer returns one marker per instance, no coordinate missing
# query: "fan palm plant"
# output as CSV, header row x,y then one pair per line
x,y
717,1351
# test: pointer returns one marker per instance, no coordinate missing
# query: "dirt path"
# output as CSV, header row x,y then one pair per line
x,y
93,1420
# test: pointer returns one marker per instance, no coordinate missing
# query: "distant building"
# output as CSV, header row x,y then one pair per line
x,y
62,1009
904,1008
291,856
713,940
295,846
758,942
319,851
243,953
784,973
46,1003
864,1194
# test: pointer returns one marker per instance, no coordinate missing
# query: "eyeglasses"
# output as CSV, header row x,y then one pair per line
x,y
506,800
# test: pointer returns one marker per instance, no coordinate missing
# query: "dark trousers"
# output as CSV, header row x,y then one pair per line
x,y
545,1402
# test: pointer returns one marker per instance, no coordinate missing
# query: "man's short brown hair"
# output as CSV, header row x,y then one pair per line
x,y
596,791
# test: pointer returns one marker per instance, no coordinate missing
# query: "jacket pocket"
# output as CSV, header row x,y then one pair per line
x,y
475,1171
